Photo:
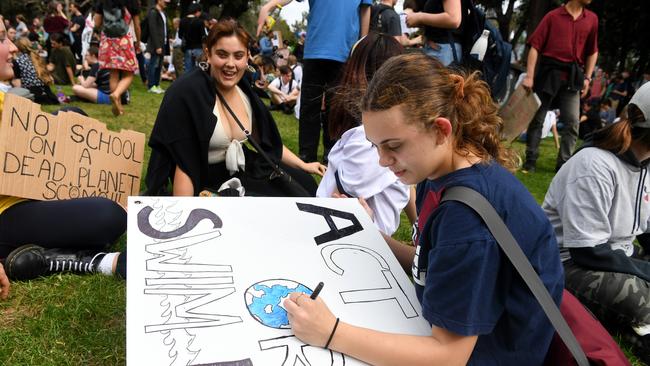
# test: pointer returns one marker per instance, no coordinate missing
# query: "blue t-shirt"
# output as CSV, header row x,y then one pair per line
x,y
463,281
332,28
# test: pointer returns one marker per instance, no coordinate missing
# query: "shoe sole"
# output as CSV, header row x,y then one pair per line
x,y
9,261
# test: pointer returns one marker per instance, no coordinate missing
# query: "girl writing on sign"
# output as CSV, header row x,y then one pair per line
x,y
439,129
39,238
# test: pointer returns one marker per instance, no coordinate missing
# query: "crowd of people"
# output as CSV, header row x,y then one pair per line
x,y
398,129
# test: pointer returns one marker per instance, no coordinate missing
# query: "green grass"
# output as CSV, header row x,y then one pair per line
x,y
80,320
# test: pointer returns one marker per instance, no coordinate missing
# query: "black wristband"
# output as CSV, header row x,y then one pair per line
x,y
332,334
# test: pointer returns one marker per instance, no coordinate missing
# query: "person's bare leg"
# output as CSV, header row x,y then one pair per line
x,y
116,103
89,94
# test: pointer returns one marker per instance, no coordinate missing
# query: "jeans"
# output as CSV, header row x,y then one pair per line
x,y
191,58
569,102
444,53
318,76
154,67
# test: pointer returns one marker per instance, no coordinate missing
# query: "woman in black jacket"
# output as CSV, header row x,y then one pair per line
x,y
197,143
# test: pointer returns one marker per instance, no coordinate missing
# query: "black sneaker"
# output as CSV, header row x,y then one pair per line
x,y
528,168
32,261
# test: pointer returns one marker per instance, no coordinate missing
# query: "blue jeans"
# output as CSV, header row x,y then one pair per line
x,y
153,70
191,58
444,52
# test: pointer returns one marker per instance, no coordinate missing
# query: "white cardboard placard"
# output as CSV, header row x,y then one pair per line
x,y
207,276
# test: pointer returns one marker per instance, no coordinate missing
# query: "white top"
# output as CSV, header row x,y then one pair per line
x,y
357,164
549,121
223,147
277,82
297,73
596,198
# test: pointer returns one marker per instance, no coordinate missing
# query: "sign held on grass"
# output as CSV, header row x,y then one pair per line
x,y
48,157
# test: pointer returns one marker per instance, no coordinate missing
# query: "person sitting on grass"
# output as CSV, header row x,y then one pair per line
x,y
439,128
39,238
62,62
353,168
96,86
197,142
30,72
599,204
284,91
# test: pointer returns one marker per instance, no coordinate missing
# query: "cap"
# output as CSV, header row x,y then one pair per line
x,y
641,99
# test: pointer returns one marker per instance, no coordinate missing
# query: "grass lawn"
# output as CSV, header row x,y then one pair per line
x,y
80,320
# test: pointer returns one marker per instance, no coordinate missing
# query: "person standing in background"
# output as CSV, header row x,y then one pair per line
x,y
567,40
157,45
333,26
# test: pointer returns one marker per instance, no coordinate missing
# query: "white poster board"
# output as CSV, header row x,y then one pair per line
x,y
207,277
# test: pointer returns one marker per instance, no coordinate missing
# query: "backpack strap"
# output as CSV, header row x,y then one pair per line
x,y
511,249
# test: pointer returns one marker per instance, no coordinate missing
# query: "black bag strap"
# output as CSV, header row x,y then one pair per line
x,y
509,245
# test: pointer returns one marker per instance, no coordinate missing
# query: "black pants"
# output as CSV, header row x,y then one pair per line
x,y
318,76
84,223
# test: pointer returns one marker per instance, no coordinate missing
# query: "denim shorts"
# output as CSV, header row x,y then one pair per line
x,y
102,98
444,52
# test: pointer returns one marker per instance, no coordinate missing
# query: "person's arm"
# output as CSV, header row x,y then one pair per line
x,y
531,63
603,258
264,13
182,185
88,82
312,322
292,160
403,252
138,32
4,283
450,18
99,21
294,94
590,64
556,136
70,73
275,90
364,20
410,209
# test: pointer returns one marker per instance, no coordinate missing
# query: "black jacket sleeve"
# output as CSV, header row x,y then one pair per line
x,y
603,258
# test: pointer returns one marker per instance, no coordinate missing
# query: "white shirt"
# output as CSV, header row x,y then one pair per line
x,y
223,147
277,83
357,163
596,198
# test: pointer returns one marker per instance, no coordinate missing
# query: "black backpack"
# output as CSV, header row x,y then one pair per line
x,y
496,63
114,24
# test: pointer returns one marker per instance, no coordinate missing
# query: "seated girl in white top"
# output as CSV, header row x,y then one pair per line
x,y
353,163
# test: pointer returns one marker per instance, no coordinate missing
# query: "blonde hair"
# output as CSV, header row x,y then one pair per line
x,y
25,46
428,90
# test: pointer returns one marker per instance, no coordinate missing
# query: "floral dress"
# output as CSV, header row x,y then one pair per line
x,y
118,53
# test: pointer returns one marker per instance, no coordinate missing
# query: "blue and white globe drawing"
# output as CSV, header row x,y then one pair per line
x,y
265,301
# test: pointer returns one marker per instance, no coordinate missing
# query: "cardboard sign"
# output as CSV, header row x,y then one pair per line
x,y
208,277
518,112
47,157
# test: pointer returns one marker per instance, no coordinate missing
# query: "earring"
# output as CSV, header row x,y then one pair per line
x,y
204,65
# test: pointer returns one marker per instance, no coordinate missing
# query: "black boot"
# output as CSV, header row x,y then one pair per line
x,y
31,261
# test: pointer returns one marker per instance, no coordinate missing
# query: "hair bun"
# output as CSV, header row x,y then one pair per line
x,y
459,85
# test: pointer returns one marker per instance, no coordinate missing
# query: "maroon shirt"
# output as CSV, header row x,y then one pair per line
x,y
55,24
560,37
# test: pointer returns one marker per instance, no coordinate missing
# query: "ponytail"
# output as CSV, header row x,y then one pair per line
x,y
429,90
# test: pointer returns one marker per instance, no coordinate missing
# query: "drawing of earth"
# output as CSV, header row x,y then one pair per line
x,y
264,301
